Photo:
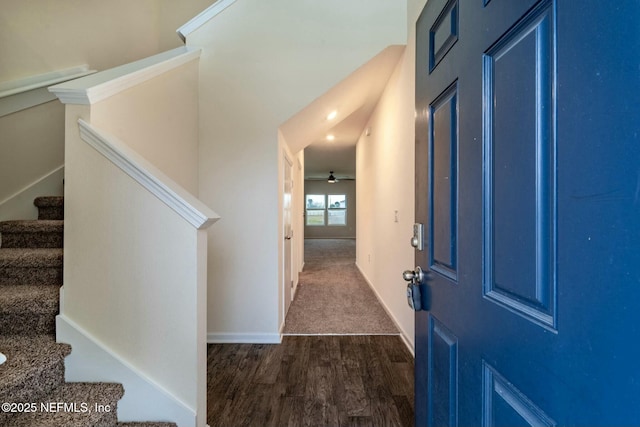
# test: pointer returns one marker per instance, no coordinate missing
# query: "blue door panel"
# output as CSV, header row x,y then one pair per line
x,y
506,406
443,203
443,34
528,182
443,375
519,182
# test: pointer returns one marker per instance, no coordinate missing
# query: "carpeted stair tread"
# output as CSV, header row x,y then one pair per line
x,y
50,207
31,257
31,266
81,400
32,226
49,201
28,309
31,234
34,367
150,424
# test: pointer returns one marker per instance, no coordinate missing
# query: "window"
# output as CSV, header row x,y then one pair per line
x,y
337,209
315,209
323,209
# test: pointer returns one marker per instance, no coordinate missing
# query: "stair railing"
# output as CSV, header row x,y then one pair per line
x,y
133,304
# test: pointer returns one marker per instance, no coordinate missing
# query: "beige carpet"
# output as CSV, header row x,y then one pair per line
x,y
332,297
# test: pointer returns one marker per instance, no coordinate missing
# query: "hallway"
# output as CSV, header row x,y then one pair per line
x,y
333,298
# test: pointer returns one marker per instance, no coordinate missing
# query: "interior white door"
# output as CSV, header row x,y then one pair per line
x,y
288,234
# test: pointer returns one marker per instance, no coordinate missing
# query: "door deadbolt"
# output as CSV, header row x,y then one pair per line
x,y
417,240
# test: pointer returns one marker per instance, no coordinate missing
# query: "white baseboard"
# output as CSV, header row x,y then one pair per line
x,y
330,238
408,341
243,338
410,345
20,205
143,400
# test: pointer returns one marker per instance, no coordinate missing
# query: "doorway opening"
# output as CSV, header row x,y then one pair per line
x,y
322,140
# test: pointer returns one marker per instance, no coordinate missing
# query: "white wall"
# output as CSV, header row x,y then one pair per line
x,y
385,187
32,146
159,120
48,35
263,62
130,274
43,36
120,270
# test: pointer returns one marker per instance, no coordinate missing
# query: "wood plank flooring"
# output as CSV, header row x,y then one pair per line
x,y
311,381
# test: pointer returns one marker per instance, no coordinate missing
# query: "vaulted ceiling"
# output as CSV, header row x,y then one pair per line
x,y
353,100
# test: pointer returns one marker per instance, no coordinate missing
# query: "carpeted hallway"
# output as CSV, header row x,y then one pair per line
x,y
333,298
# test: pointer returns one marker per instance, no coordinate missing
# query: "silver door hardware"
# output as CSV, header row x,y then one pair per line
x,y
417,241
414,295
416,276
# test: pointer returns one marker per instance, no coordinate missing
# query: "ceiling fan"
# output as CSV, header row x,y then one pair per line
x,y
331,179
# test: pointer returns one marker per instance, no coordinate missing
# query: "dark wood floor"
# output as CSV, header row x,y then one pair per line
x,y
311,381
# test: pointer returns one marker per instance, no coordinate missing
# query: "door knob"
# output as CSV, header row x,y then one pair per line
x,y
416,276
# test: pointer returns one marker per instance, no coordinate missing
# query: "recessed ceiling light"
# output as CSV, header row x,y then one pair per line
x,y
330,137
332,115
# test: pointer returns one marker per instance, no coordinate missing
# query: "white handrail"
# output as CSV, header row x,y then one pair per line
x,y
43,80
18,95
164,188
102,85
203,17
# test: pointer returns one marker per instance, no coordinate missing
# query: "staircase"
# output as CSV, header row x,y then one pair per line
x,y
32,378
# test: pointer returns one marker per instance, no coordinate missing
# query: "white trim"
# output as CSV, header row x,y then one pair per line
x,y
34,183
18,95
92,360
164,188
345,334
407,340
20,204
43,80
97,87
243,338
409,345
203,17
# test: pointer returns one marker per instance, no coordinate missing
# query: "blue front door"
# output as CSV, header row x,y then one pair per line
x,y
528,186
